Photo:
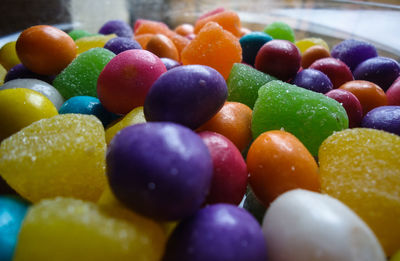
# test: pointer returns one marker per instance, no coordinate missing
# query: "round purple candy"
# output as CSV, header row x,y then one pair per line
x,y
385,118
19,71
161,170
119,44
353,52
118,27
189,95
169,63
217,232
313,80
380,70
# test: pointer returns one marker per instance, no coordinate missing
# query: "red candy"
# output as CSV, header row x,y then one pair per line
x,y
393,93
337,71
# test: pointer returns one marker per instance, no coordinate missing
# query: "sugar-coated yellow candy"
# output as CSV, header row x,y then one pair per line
x,y
361,167
8,55
3,73
88,42
20,107
60,156
66,229
306,43
133,117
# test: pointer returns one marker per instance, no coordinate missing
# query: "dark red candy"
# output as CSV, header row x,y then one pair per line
x,y
337,71
393,93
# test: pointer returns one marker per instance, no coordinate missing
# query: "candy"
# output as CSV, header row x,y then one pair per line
x,y
3,73
94,41
215,47
380,70
159,170
59,156
307,43
184,29
76,34
126,79
217,232
80,77
361,168
162,46
393,93
71,229
169,63
277,162
385,118
19,71
251,44
8,56
36,85
118,27
303,225
119,44
280,30
312,54
143,39
337,71
229,178
20,107
44,49
279,58
244,82
313,80
229,20
310,116
195,94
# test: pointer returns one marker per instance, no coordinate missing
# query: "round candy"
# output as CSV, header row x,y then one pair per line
x,y
119,44
280,30
8,55
20,107
217,232
118,27
162,46
19,71
184,29
302,225
229,179
337,71
44,49
77,33
385,118
169,63
313,80
195,94
380,70
279,58
312,54
251,43
393,93
306,43
36,85
159,170
126,79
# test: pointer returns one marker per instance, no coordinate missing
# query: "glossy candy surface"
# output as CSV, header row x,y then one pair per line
x,y
93,41
118,27
393,93
251,44
8,55
337,71
313,80
312,54
19,71
162,46
280,30
119,44
385,118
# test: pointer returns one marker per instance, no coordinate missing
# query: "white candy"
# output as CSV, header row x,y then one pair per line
x,y
301,225
36,85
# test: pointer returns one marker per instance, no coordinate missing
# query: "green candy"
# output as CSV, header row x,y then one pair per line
x,y
280,30
310,116
80,77
244,82
76,34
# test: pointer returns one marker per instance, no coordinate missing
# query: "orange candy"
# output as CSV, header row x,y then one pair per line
x,y
215,47
162,46
369,94
234,122
143,39
312,54
278,162
184,29
45,49
229,20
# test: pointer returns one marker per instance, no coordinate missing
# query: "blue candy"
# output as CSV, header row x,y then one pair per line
x,y
251,43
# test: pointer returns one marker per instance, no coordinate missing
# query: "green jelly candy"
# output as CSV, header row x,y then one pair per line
x,y
280,30
80,77
310,116
76,34
244,82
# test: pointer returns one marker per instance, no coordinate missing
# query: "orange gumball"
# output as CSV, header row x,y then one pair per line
x,y
45,49
312,54
278,162
234,122
163,47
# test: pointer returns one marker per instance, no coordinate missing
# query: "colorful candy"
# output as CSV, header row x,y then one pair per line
x,y
385,118
251,44
119,44
118,27
337,71
313,80
8,55
393,93
280,30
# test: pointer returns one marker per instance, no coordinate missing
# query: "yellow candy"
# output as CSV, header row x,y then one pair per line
x,y
20,107
60,156
361,167
306,43
88,42
396,257
3,73
133,117
65,229
8,56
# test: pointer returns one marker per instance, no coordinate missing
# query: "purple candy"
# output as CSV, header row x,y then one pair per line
x,y
19,71
217,232
353,52
169,63
161,170
119,44
385,118
380,70
118,27
313,80
188,94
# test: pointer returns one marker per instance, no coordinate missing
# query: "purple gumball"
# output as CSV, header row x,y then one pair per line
x,y
217,232
353,52
119,44
169,63
313,80
189,95
160,170
19,71
385,118
118,27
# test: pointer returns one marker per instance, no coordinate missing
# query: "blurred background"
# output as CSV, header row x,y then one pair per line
x,y
333,20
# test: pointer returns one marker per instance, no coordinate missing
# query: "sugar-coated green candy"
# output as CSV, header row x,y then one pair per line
x,y
77,33
280,30
80,77
308,115
244,82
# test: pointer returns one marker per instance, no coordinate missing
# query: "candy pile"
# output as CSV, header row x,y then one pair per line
x,y
206,142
